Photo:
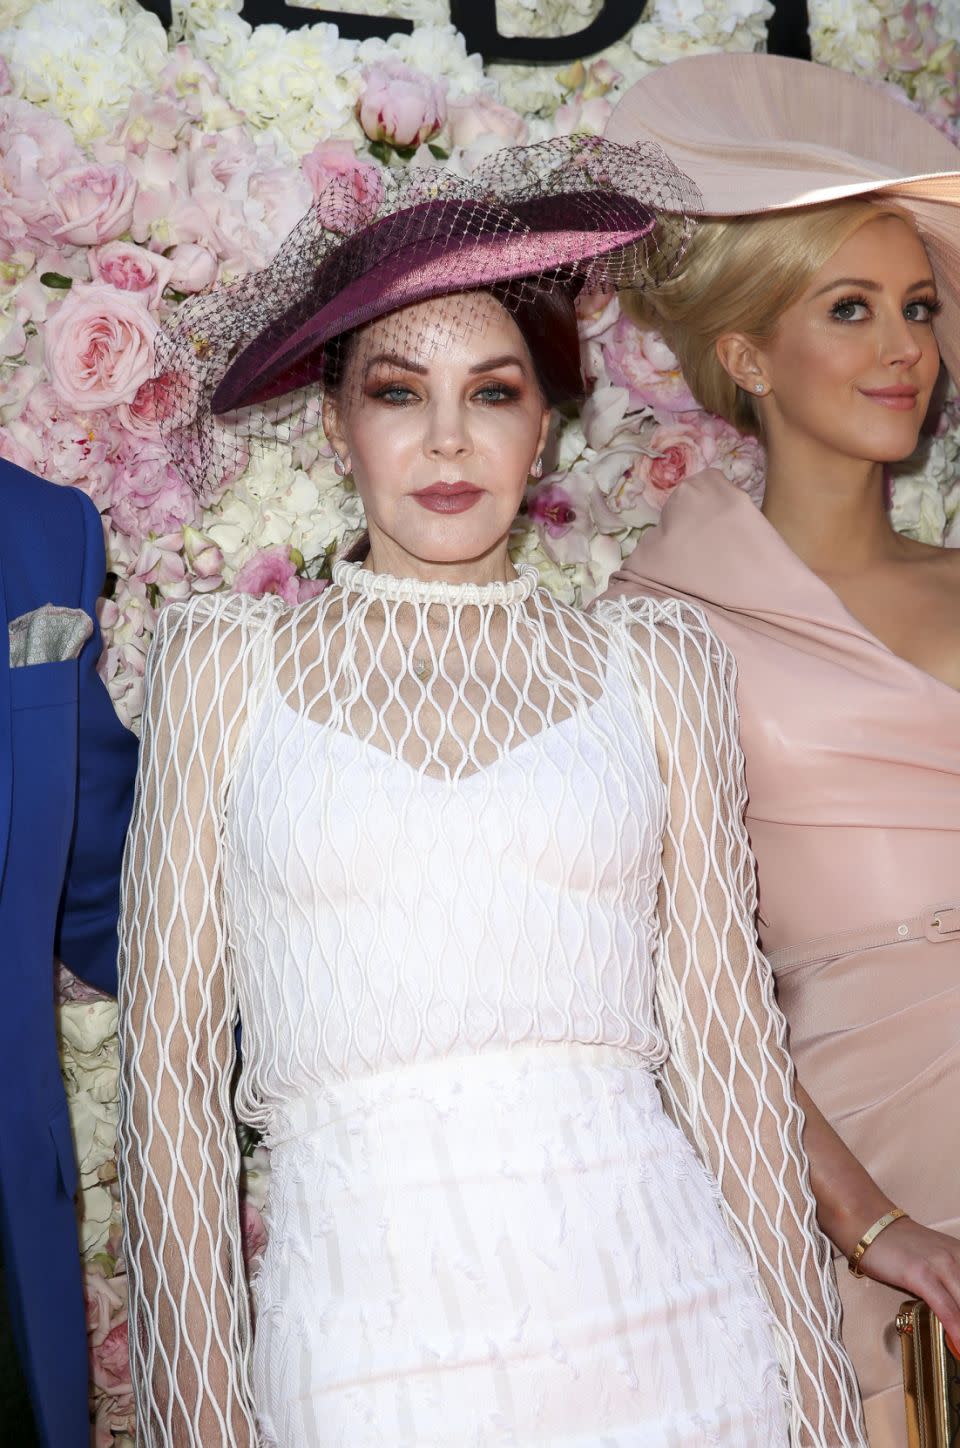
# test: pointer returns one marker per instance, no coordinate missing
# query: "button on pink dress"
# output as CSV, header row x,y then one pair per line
x,y
853,772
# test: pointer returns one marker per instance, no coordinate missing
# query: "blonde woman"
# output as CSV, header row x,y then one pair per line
x,y
816,322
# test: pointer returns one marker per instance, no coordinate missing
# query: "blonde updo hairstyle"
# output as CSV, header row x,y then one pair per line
x,y
740,276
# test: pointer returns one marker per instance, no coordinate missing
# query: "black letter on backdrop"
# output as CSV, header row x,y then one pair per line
x,y
787,33
477,20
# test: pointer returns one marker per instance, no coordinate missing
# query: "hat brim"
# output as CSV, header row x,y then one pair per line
x,y
547,234
759,134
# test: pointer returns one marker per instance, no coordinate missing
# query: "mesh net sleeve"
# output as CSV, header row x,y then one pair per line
x,y
728,1080
189,1317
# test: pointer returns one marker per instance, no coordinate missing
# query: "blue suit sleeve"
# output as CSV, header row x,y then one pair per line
x,y
106,765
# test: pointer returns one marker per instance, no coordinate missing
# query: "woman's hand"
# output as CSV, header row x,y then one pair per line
x,y
923,1263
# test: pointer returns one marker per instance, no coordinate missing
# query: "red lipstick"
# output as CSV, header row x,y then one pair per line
x,y
901,398
448,497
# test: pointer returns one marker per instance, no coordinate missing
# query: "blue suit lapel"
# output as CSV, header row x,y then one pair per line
x,y
6,745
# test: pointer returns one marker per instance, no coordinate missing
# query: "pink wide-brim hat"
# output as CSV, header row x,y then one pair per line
x,y
762,133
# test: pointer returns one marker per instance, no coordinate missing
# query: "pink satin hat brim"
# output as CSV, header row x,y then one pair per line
x,y
761,133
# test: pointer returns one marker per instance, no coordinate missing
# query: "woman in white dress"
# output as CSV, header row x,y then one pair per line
x,y
471,870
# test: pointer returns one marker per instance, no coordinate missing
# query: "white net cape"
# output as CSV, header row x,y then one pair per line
x,y
446,689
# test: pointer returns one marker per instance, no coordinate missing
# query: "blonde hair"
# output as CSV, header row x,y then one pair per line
x,y
740,276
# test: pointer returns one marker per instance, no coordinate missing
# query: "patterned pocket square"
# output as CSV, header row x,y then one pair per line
x,y
48,635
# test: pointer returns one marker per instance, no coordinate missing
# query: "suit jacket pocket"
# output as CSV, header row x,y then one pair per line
x,y
41,685
66,1155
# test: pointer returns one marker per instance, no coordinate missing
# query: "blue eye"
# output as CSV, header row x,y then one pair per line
x,y
850,309
395,395
495,392
926,307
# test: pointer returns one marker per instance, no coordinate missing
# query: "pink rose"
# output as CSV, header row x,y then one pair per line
x,y
154,401
131,268
642,362
401,105
346,189
205,560
193,267
552,509
95,203
478,115
110,1360
99,346
679,450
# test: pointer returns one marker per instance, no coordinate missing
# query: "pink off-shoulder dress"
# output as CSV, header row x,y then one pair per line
x,y
853,773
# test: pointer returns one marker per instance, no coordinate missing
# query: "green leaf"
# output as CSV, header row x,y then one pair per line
x,y
438,153
406,153
172,295
380,151
54,279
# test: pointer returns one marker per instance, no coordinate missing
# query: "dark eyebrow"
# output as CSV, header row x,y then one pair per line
x,y
393,359
509,359
867,286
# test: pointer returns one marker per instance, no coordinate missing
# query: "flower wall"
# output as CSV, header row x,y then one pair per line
x,y
138,167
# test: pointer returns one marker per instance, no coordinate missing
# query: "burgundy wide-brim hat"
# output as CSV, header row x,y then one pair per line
x,y
764,133
246,363
433,249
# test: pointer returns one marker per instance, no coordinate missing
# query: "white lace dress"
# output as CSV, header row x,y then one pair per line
x,y
471,869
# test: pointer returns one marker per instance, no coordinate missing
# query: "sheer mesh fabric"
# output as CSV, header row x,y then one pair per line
x,y
426,688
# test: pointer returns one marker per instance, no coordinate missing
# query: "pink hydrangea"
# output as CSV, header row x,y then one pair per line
x,y
642,362
99,346
401,105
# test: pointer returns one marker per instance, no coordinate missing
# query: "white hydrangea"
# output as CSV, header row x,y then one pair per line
x,y
846,34
438,51
83,58
921,489
675,28
277,502
300,86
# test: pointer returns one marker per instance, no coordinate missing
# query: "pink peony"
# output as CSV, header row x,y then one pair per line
x,y
346,189
99,346
478,115
273,570
149,496
131,268
551,507
94,202
400,105
679,450
205,560
193,267
642,362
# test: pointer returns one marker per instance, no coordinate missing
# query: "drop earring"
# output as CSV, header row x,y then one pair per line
x,y
339,466
537,470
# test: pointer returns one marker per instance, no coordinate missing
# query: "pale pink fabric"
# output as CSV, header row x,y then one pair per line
x,y
853,770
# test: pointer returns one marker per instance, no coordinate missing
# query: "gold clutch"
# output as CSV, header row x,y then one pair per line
x,y
931,1379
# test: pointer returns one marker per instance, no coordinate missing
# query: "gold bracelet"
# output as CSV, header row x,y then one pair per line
x,y
871,1235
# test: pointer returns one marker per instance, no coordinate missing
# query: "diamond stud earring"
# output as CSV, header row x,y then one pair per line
x,y
759,388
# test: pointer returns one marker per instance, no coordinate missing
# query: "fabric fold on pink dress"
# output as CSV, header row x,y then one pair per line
x,y
853,772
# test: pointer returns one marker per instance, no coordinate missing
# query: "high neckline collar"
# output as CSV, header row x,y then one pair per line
x,y
354,578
